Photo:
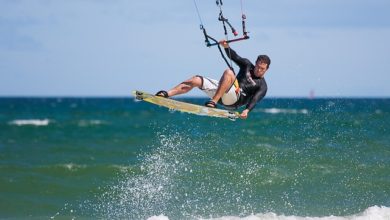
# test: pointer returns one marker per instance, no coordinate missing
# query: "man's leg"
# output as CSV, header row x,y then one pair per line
x,y
186,86
225,83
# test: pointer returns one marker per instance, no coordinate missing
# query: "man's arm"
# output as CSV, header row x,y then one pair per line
x,y
241,62
233,55
253,101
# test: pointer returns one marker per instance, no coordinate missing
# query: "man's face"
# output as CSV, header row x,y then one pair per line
x,y
260,68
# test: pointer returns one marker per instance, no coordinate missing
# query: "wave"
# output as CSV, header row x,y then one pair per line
x,y
283,111
93,122
72,167
101,168
46,122
374,212
30,122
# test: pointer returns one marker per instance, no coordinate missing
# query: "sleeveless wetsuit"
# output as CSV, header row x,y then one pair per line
x,y
252,88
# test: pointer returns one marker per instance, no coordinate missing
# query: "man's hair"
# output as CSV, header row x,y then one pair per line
x,y
264,59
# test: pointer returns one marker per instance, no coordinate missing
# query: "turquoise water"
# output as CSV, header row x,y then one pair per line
x,y
114,158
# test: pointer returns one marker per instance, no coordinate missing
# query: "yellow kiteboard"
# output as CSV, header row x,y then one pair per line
x,y
185,107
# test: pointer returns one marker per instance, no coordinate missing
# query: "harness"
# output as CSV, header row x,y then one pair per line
x,y
237,86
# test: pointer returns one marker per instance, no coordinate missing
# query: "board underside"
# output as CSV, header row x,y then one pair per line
x,y
185,107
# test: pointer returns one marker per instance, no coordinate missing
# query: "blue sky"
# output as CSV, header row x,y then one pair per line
x,y
111,47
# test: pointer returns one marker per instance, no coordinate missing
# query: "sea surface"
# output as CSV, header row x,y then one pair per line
x,y
117,158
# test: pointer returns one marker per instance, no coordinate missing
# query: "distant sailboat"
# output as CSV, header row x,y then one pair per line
x,y
311,94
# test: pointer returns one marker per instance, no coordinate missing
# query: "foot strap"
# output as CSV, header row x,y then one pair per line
x,y
210,104
162,93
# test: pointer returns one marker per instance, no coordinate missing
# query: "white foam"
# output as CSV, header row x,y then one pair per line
x,y
32,122
284,111
160,217
72,166
86,123
372,213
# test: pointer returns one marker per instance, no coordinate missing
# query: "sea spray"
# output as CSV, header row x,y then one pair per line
x,y
152,188
182,176
190,173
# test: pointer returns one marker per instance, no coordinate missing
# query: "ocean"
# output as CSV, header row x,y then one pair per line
x,y
117,158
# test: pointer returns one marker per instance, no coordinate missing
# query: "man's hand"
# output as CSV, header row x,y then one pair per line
x,y
244,114
224,43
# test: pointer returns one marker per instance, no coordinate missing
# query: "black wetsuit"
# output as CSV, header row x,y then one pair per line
x,y
252,88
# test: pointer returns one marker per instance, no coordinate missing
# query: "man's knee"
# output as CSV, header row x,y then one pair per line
x,y
229,73
195,81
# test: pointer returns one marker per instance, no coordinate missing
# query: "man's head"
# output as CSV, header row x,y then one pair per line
x,y
262,65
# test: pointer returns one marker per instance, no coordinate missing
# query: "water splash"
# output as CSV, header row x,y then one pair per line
x,y
151,189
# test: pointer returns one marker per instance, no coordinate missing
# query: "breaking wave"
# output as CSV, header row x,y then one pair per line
x,y
374,213
283,111
30,122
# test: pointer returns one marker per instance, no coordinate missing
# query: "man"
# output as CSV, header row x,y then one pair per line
x,y
247,88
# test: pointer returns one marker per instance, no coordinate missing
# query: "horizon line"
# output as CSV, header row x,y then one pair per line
x,y
183,96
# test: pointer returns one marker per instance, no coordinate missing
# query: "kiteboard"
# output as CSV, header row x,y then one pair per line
x,y
185,107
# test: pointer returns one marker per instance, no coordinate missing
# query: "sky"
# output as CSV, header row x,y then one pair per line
x,y
329,48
